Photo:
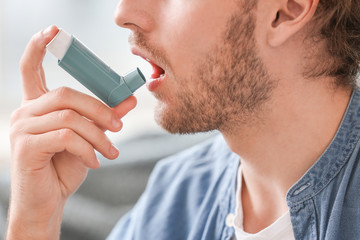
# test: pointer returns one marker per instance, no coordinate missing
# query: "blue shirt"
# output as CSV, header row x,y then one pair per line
x,y
189,195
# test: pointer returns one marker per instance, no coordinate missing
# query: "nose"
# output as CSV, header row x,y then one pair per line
x,y
136,15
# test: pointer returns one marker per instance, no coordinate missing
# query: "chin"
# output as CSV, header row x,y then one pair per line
x,y
163,118
177,122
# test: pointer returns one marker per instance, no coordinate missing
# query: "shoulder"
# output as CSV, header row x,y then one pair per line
x,y
190,178
182,194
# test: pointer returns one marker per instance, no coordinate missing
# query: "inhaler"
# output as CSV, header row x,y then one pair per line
x,y
81,63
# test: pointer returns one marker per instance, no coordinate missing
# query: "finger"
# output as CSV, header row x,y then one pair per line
x,y
31,63
66,140
126,106
42,76
102,128
71,120
85,105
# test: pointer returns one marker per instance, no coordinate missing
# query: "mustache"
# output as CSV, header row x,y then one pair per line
x,y
138,39
153,52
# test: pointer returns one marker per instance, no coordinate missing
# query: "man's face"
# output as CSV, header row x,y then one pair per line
x,y
207,74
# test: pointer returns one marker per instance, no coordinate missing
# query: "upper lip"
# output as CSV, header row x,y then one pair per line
x,y
147,58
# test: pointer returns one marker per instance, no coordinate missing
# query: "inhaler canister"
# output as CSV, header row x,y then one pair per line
x,y
81,63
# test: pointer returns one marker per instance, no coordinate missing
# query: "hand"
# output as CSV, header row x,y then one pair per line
x,y
53,138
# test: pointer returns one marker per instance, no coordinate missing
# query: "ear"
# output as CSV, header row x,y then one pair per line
x,y
289,17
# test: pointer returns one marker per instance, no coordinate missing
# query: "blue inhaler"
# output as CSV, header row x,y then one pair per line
x,y
81,63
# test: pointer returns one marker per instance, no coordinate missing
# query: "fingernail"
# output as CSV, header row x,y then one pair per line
x,y
116,122
113,150
47,31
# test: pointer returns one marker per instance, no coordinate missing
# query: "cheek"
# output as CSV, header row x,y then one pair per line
x,y
189,34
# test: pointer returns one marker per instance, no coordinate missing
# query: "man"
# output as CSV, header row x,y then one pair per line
x,y
277,79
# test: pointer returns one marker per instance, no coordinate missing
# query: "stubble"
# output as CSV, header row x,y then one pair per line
x,y
231,87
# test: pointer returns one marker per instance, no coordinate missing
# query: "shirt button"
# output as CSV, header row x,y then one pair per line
x,y
230,220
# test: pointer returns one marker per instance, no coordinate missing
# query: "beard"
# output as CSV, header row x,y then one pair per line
x,y
226,91
231,86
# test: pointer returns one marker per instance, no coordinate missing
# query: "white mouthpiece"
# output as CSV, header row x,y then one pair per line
x,y
59,44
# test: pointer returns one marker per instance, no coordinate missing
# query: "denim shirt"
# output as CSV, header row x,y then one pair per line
x,y
190,195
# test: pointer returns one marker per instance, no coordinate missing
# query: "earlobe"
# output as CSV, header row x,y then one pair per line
x,y
291,16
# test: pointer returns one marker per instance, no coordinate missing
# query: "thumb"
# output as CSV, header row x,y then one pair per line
x,y
33,81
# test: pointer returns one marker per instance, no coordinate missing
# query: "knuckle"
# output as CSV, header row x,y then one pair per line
x,y
17,122
65,134
13,133
18,136
15,115
67,115
19,114
23,144
15,129
62,93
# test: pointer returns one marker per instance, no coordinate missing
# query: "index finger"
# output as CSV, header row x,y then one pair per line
x,y
31,63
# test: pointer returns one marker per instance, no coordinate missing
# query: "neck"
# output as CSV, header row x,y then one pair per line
x,y
277,150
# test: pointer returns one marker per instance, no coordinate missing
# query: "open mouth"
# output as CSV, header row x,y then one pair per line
x,y
158,72
157,77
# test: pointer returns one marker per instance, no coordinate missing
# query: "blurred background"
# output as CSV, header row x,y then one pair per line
x,y
89,20
112,190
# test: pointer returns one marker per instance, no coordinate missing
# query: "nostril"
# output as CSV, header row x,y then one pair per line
x,y
119,17
123,13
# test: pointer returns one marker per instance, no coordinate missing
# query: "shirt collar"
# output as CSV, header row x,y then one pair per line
x,y
333,159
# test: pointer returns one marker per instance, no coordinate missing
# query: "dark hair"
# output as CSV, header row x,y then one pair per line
x,y
338,22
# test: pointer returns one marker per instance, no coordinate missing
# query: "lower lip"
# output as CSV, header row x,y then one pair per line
x,y
152,84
